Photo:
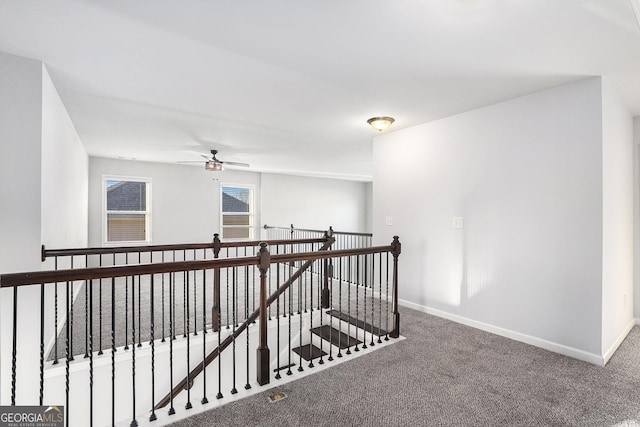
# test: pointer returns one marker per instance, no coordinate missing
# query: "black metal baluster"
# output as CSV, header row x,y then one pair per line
x,y
41,343
172,335
373,273
14,348
311,365
70,318
320,281
204,334
386,328
349,305
185,296
365,275
300,368
195,301
172,300
139,306
380,298
340,303
126,305
67,358
289,325
357,300
247,386
227,281
277,322
86,312
90,353
163,340
55,332
100,313
233,311
152,333
113,349
219,320
134,422
330,274
186,293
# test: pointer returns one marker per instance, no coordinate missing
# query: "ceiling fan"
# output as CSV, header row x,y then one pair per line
x,y
213,164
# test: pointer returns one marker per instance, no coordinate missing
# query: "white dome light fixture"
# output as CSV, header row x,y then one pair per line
x,y
381,123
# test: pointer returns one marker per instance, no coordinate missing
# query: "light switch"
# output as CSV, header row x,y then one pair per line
x,y
388,220
458,222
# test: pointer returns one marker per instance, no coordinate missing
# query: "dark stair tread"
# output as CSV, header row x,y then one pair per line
x,y
357,322
335,337
309,352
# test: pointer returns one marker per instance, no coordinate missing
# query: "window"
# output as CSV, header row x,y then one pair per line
x,y
127,210
237,212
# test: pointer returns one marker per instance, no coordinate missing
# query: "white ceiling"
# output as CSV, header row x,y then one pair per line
x,y
287,86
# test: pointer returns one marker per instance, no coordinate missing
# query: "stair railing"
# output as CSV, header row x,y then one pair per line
x,y
344,239
297,289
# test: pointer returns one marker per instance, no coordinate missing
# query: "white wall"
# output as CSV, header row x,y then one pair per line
x,y
314,203
20,134
618,221
43,170
20,174
183,200
65,169
186,200
526,176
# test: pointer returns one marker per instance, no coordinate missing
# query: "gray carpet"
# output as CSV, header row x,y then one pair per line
x,y
447,374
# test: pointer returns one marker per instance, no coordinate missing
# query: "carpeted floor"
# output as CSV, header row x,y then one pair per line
x,y
447,374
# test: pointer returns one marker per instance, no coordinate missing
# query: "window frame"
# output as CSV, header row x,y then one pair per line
x,y
105,212
250,214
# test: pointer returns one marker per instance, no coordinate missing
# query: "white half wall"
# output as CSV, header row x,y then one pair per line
x,y
618,221
314,203
525,176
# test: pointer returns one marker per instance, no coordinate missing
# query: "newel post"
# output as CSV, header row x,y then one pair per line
x,y
215,310
396,249
263,349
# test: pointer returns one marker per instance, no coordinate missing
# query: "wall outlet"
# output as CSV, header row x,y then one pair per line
x,y
458,222
388,220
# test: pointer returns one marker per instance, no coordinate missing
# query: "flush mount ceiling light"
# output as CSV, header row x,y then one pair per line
x,y
381,123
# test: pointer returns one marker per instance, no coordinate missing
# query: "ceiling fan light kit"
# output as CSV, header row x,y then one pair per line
x,y
211,165
214,165
381,123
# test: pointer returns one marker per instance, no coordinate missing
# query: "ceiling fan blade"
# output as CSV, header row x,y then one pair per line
x,y
207,158
244,165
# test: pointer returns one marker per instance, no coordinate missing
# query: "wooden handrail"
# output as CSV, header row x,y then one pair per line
x,y
70,275
349,233
46,253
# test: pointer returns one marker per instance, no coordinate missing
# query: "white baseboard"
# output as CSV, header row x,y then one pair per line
x,y
517,336
618,341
